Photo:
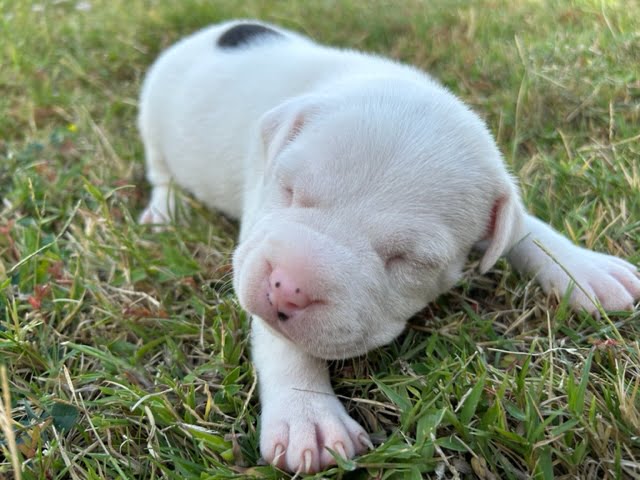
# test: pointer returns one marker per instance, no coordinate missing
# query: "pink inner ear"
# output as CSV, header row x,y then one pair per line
x,y
277,135
491,228
293,131
296,127
498,233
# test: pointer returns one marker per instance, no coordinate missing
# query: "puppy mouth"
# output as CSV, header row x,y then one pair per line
x,y
284,316
294,325
308,330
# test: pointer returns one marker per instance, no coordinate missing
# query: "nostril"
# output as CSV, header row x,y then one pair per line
x,y
282,316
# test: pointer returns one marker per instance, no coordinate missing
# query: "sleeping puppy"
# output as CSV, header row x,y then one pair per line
x,y
362,185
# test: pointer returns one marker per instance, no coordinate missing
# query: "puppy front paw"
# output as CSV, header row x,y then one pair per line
x,y
611,281
297,429
160,209
151,216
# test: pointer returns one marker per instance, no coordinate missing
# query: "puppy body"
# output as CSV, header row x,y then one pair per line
x,y
361,185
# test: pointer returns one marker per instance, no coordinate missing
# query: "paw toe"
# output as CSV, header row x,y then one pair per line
x,y
308,462
274,446
365,442
629,280
344,449
613,295
583,298
621,263
346,438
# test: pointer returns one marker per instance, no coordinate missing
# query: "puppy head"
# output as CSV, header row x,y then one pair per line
x,y
370,203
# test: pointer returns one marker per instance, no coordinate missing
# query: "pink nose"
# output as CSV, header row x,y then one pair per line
x,y
285,293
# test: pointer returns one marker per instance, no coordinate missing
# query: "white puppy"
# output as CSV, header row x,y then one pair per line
x,y
362,185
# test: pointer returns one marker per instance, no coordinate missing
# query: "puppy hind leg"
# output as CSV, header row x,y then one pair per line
x,y
161,206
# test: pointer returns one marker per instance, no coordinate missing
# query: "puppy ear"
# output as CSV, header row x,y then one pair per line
x,y
504,227
282,124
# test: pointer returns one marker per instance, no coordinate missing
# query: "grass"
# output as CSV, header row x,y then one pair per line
x,y
124,353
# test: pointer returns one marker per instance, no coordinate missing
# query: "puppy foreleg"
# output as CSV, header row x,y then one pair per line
x,y
161,206
301,416
557,263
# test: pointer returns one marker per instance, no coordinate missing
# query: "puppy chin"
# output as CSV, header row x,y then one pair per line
x,y
327,347
341,350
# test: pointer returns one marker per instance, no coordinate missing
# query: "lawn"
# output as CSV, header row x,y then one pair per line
x,y
123,352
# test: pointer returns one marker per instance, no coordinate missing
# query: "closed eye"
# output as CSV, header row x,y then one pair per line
x,y
396,260
410,254
295,197
408,261
287,193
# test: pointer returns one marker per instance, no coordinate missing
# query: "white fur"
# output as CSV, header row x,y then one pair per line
x,y
359,182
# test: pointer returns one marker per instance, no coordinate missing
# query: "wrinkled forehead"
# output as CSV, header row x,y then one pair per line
x,y
355,160
402,171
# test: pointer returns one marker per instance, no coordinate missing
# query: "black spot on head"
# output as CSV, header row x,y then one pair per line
x,y
243,34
